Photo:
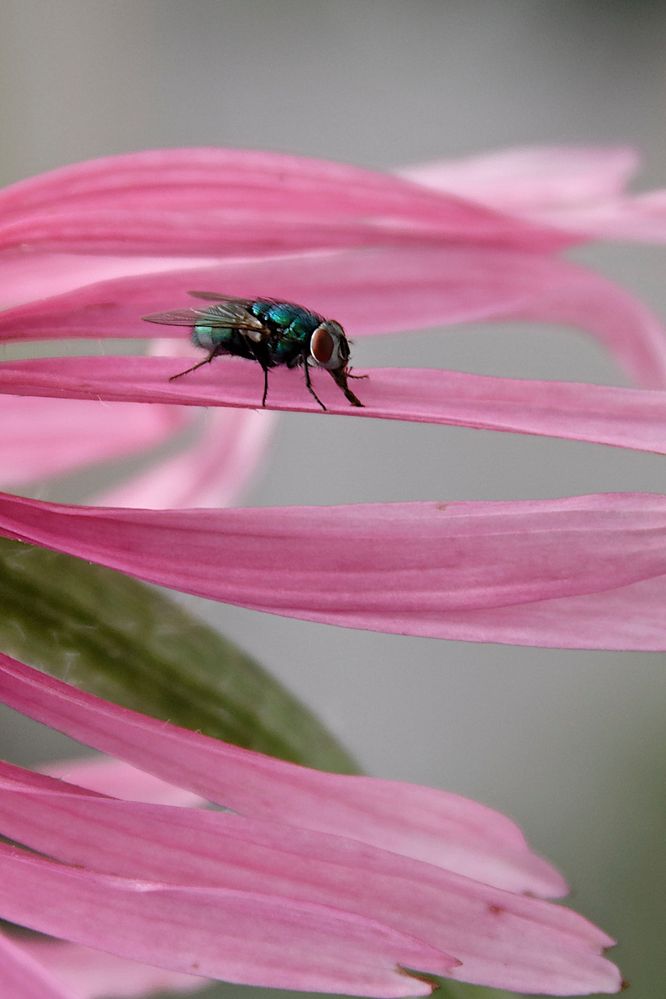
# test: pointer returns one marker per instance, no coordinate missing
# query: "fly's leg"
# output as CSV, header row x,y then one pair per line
x,y
340,378
258,351
214,352
265,395
309,384
350,397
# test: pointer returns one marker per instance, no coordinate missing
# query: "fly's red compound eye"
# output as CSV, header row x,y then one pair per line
x,y
329,347
322,346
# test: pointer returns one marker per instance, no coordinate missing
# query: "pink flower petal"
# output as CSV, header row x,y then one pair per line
x,y
579,572
23,977
371,291
212,466
640,219
577,190
53,437
532,177
251,938
435,826
120,780
229,450
91,974
218,202
536,946
212,471
26,277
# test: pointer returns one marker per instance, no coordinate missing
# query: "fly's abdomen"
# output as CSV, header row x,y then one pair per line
x,y
209,337
223,340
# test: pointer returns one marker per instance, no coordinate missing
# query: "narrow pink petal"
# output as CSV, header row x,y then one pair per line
x,y
92,974
577,190
441,828
371,291
25,277
630,332
641,218
578,572
23,977
228,232
120,780
532,177
53,437
536,947
232,444
245,937
212,469
238,202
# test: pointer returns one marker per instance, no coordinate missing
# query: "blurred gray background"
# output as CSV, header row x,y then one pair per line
x,y
569,743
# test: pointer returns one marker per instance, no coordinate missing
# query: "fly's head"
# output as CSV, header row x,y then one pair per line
x,y
329,347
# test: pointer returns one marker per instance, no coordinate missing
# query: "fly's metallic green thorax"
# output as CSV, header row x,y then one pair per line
x,y
270,332
289,326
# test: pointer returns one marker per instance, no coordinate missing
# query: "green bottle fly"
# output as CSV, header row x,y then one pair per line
x,y
268,331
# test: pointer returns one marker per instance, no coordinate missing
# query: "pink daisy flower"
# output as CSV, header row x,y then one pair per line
x,y
367,879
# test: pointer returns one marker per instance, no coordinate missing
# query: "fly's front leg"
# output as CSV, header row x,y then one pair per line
x,y
309,384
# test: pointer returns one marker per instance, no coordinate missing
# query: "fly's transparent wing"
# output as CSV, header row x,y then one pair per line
x,y
234,313
215,296
179,317
228,314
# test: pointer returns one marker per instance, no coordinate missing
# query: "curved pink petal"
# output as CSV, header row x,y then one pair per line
x,y
52,437
121,780
246,937
25,277
578,572
218,202
576,189
536,946
435,826
92,974
231,446
371,291
641,218
211,465
634,337
23,977
212,470
528,178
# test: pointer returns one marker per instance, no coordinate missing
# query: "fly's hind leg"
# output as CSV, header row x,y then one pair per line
x,y
214,352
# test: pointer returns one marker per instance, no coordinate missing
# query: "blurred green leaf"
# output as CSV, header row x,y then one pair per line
x,y
121,640
458,990
445,989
